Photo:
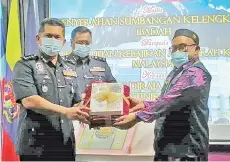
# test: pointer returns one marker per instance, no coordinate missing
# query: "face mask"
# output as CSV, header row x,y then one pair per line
x,y
82,50
179,58
51,46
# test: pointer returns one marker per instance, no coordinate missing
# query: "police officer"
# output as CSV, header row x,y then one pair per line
x,y
46,88
88,68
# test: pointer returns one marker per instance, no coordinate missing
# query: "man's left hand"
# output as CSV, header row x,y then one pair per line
x,y
83,95
126,121
16,113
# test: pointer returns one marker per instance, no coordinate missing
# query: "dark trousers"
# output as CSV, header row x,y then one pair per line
x,y
53,148
57,152
167,158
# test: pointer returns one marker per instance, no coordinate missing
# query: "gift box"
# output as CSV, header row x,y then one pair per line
x,y
107,101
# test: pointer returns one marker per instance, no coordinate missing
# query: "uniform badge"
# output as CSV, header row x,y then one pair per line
x,y
47,77
97,69
44,88
69,72
68,78
40,68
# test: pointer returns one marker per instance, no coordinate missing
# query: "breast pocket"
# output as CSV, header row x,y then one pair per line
x,y
99,76
45,88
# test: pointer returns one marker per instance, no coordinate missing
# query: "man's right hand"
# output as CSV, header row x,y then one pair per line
x,y
135,105
80,113
83,95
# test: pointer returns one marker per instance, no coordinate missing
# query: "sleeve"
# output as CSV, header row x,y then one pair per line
x,y
23,81
77,94
109,75
187,89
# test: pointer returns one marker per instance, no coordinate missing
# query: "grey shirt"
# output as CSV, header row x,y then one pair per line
x,y
90,69
36,75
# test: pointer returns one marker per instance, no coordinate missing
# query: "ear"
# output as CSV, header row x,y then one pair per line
x,y
197,50
72,43
64,42
38,38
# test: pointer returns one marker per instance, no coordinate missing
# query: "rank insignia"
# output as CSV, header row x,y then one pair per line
x,y
69,73
97,69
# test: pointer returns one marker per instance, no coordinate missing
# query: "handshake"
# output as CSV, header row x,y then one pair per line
x,y
82,113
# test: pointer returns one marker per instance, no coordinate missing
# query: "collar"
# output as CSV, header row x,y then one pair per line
x,y
48,59
79,60
191,63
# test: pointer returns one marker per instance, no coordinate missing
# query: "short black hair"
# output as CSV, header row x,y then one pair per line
x,y
80,29
52,22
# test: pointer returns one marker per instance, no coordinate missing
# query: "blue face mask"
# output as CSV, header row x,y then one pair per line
x,y
179,58
82,50
51,46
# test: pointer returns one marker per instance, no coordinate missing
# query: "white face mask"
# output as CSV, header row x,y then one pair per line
x,y
82,50
51,46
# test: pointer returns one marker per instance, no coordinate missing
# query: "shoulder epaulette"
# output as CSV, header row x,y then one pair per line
x,y
30,57
68,59
98,58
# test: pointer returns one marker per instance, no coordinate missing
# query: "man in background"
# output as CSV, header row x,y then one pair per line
x,y
88,68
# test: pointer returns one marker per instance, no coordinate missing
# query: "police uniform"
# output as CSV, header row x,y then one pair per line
x,y
90,69
44,134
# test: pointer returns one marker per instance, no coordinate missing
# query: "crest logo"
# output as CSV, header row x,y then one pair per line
x,y
10,107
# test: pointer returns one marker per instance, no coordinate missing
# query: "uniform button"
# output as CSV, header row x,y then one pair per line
x,y
32,129
56,70
60,90
62,121
87,85
83,67
60,100
58,80
43,81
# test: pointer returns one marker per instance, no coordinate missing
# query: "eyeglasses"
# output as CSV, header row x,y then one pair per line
x,y
180,47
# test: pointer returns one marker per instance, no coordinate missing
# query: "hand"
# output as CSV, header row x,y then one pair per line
x,y
133,101
135,105
79,104
80,113
126,121
16,113
83,95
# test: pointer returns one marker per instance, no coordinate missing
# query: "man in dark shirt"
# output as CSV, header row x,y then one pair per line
x,y
181,111
46,88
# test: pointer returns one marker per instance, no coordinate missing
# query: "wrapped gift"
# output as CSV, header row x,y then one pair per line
x,y
107,101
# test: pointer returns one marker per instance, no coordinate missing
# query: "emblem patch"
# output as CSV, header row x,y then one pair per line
x,y
40,68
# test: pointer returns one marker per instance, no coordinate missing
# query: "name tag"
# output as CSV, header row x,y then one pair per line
x,y
97,69
69,73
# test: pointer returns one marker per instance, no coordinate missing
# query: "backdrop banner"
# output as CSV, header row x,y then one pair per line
x,y
134,36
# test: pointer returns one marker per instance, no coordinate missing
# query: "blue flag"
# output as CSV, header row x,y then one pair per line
x,y
31,30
